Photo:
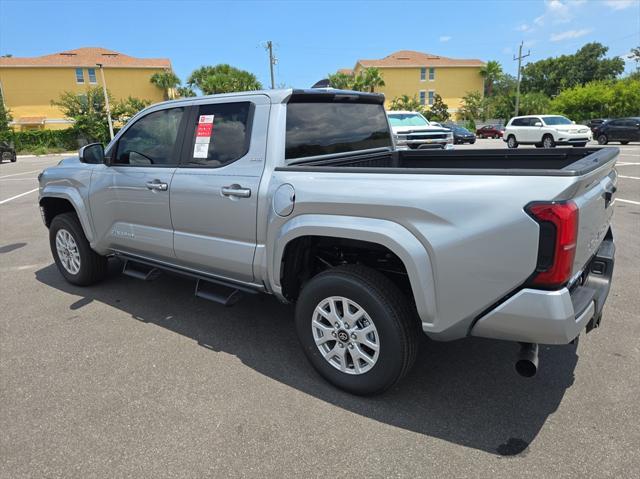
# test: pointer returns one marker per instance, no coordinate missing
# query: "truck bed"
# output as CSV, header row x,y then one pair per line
x,y
538,162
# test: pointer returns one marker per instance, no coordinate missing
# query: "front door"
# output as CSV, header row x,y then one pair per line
x,y
130,197
214,193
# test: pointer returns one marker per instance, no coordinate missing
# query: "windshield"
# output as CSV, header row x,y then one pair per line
x,y
556,120
407,119
459,129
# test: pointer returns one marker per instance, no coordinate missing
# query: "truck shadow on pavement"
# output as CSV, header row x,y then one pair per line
x,y
465,392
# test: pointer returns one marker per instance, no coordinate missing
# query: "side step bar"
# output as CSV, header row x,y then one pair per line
x,y
140,271
217,290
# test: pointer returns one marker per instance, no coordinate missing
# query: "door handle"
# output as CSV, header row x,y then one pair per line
x,y
236,190
157,185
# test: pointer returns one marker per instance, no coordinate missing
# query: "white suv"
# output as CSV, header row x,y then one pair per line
x,y
545,131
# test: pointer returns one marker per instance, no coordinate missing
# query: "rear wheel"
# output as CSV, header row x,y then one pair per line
x,y
73,255
357,329
602,139
547,141
511,142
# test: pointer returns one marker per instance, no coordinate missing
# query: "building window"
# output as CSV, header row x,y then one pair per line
x,y
432,74
79,75
423,74
432,95
92,75
423,97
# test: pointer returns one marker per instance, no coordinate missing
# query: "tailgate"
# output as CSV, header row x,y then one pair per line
x,y
595,200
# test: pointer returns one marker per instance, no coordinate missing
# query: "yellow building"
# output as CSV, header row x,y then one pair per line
x,y
29,85
406,72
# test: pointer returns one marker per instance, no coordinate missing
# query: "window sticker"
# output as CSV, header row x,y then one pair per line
x,y
204,130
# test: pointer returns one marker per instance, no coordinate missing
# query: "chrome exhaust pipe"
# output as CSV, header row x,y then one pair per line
x,y
527,362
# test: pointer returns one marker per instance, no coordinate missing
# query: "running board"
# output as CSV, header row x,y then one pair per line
x,y
140,271
219,293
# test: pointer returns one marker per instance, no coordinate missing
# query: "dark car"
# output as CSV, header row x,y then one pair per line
x,y
462,135
7,152
490,131
594,123
623,130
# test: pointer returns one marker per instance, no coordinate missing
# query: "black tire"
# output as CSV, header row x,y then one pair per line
x,y
602,139
396,322
472,142
93,267
624,142
512,142
548,141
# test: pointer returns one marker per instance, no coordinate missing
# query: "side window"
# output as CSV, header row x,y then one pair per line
x,y
221,134
518,122
79,75
151,141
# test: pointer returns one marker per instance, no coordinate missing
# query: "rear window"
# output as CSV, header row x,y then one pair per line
x,y
315,129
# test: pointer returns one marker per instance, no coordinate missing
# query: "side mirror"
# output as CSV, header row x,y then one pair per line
x,y
537,123
92,154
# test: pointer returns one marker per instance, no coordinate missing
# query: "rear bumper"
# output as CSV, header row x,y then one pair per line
x,y
553,317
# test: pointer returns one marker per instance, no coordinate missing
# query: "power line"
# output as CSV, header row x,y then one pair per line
x,y
519,58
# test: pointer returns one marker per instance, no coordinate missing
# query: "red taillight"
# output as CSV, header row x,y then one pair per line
x,y
558,236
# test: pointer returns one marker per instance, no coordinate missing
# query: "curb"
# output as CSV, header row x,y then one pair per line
x,y
52,154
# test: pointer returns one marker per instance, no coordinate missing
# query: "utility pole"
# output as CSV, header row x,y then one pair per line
x,y
272,61
106,99
519,58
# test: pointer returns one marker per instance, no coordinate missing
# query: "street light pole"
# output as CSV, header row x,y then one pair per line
x,y
106,99
519,58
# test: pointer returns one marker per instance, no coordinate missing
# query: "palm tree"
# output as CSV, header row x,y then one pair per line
x,y
341,81
405,102
167,81
491,72
371,78
223,78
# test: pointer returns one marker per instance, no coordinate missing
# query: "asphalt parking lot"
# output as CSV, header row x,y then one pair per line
x,y
142,379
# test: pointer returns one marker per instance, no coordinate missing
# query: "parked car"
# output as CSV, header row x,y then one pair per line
x,y
413,131
301,194
462,135
7,152
490,131
545,131
594,123
623,130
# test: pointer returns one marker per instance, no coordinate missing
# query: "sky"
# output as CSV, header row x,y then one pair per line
x,y
314,38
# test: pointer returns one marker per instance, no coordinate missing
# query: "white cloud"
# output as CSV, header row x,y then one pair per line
x,y
620,4
445,38
539,20
524,28
558,37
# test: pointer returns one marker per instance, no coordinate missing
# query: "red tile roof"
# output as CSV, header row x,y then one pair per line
x,y
410,58
86,57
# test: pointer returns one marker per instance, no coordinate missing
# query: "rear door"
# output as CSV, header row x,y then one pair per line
x,y
130,197
214,192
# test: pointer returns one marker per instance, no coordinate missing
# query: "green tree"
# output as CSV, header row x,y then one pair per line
x,y
534,103
222,78
167,81
185,92
439,111
599,99
371,79
472,106
5,116
552,75
124,110
406,103
491,73
341,81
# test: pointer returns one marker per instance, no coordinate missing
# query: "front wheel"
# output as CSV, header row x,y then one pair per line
x,y
73,255
511,142
547,142
357,329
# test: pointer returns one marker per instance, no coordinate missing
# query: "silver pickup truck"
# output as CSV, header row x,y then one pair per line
x,y
301,194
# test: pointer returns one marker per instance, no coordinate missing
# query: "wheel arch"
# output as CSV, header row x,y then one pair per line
x,y
384,234
55,201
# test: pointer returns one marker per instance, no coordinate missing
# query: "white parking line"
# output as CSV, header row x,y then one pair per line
x,y
628,201
630,177
26,172
624,163
18,179
18,196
